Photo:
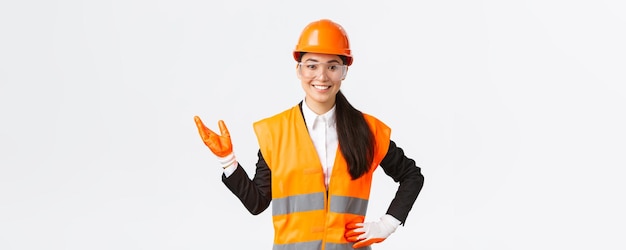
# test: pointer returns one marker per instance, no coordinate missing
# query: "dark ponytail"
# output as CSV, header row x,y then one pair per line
x,y
356,140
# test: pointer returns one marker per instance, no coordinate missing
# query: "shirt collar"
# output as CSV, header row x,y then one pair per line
x,y
310,117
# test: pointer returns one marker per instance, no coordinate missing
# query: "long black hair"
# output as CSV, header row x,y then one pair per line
x,y
356,140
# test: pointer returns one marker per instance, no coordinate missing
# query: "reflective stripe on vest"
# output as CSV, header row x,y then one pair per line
x,y
312,245
315,201
306,215
316,245
298,203
348,205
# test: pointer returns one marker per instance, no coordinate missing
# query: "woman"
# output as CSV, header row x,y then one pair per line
x,y
317,158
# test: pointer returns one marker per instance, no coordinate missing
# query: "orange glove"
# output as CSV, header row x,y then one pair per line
x,y
220,145
368,233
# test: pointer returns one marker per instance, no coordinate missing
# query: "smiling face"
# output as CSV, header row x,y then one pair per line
x,y
320,76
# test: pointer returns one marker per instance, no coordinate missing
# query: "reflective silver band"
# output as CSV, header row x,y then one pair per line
x,y
316,245
348,205
309,245
343,246
298,203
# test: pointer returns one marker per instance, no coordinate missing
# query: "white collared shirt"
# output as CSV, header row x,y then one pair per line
x,y
323,131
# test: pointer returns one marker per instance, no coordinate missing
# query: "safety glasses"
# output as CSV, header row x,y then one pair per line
x,y
313,70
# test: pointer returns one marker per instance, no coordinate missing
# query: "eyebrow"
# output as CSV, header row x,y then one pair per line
x,y
315,60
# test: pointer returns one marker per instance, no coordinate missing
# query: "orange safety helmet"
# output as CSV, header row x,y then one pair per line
x,y
326,37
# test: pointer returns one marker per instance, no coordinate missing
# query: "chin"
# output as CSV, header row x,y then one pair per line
x,y
322,98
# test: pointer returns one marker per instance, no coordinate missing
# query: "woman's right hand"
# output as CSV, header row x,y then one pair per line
x,y
220,145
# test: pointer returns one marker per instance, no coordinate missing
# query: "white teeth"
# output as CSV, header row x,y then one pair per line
x,y
321,87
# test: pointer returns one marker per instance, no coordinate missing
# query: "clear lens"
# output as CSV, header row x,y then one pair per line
x,y
334,71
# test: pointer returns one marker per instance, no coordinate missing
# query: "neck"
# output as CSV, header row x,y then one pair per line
x,y
319,108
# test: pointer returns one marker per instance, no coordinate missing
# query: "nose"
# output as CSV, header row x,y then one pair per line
x,y
322,75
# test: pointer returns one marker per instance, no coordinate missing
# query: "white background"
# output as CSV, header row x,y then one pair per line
x,y
514,111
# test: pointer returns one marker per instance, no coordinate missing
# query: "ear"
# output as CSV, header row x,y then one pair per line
x,y
298,72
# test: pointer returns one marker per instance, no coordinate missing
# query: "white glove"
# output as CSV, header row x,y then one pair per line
x,y
368,233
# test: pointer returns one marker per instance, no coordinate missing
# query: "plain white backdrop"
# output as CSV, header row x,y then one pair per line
x,y
514,110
